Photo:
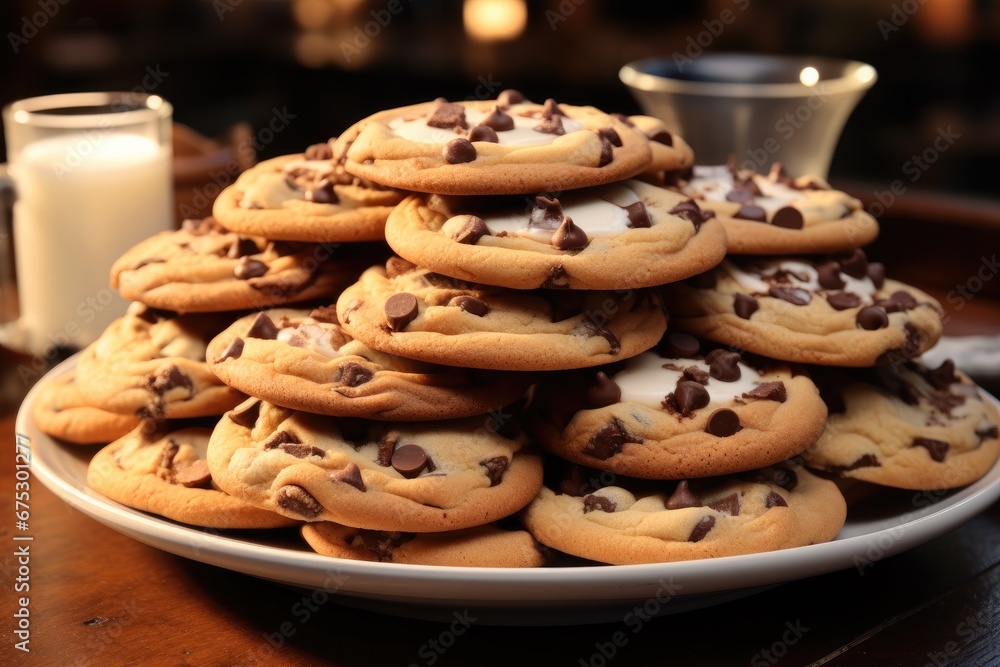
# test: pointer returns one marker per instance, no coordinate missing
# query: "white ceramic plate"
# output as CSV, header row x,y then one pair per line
x,y
897,522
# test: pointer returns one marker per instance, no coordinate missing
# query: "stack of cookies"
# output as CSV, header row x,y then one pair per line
x,y
572,341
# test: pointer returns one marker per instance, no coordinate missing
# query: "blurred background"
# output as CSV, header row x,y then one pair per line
x,y
300,71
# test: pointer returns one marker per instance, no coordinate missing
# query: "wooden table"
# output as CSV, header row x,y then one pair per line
x,y
99,598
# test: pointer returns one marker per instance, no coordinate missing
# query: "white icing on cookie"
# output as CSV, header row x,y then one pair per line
x,y
523,133
310,337
713,183
645,381
803,276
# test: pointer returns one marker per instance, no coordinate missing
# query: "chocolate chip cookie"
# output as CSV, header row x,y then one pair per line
x,y
679,412
616,520
306,361
503,146
778,214
409,311
61,410
305,197
394,476
619,236
671,153
161,469
834,310
906,426
202,267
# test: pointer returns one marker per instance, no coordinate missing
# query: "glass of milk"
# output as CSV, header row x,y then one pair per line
x,y
91,176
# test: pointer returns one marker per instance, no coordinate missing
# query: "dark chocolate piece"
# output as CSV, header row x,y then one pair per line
x,y
723,423
495,468
638,216
262,327
470,304
871,318
294,498
409,460
232,351
568,236
745,305
788,217
702,528
401,309
610,439
938,449
459,151
603,391
682,497
592,503
474,229
350,475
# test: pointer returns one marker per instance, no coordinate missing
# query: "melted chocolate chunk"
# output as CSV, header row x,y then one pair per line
x,y
319,152
166,378
552,125
248,268
690,211
194,475
458,151
638,216
401,309
242,247
546,213
829,276
682,497
702,528
483,133
662,137
727,505
301,451
232,351
871,318
611,134
788,217
592,503
774,499
725,367
495,468
448,116
688,397
843,300
509,97
793,295
864,461
855,264
745,305
904,300
876,271
262,327
594,329
679,345
610,439
386,447
943,376
723,423
246,413
471,305
568,236
279,438
353,374
607,151
409,460
938,449
380,543
990,432
294,498
751,212
603,391
769,391
350,475
474,229
498,120
695,374
675,177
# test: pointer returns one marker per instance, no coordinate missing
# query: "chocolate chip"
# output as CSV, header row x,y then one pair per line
x,y
777,475
353,374
241,247
774,499
232,351
458,151
498,120
864,461
938,449
727,505
675,177
166,378
409,460
611,134
788,218
751,212
843,300
702,528
326,314
876,272
319,152
607,152
471,305
679,345
279,438
695,374
386,447
689,396
638,216
871,318
829,276
609,440
350,475
712,355
552,125
769,391
448,116
546,213
991,432
603,391
745,305
551,108
301,451
568,236
623,118
495,468
662,137
682,497
294,498
262,327
723,423
592,503
594,329
855,264
690,211
793,295
246,414
483,133
904,300
194,475
248,268
943,376
509,97
401,309
725,367
472,230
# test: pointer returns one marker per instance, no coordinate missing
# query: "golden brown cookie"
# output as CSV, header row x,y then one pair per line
x,y
620,236
409,311
61,410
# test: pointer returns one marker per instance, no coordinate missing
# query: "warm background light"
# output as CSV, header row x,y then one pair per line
x,y
494,20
